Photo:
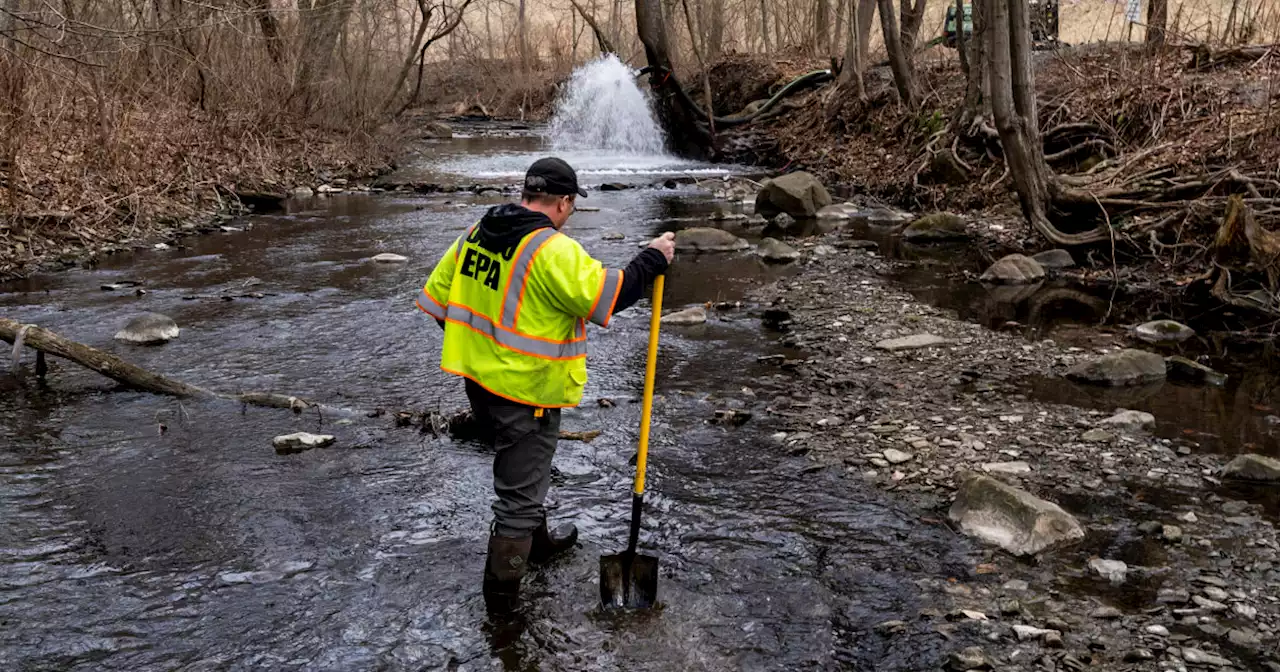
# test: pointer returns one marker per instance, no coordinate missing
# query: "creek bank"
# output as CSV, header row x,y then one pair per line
x,y
955,405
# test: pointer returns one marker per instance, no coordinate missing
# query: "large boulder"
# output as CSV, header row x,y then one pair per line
x,y
1015,269
149,329
1163,332
798,194
774,250
1251,467
687,317
936,227
1126,367
1011,518
705,239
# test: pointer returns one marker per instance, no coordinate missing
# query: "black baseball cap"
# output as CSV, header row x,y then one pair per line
x,y
552,176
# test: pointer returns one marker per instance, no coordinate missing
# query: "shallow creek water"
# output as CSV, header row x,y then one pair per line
x,y
139,532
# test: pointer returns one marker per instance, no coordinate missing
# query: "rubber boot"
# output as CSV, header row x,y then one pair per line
x,y
505,566
547,543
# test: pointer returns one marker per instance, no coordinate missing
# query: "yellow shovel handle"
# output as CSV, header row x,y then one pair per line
x,y
650,369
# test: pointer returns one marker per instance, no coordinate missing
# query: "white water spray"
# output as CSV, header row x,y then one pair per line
x,y
602,107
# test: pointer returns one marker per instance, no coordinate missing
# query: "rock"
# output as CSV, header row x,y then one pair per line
x,y
1097,436
936,227
300,441
883,217
1015,269
1245,638
614,186
1216,593
389,258
837,212
436,130
1053,640
1105,613
722,215
149,329
1251,467
730,417
687,317
1163,332
971,658
1157,630
1181,368
1111,570
784,221
1011,518
1132,420
798,194
704,239
1027,633
1208,604
328,189
911,342
1009,468
1172,534
1138,655
123,284
891,627
1126,367
772,249
1055,259
302,192
613,235
1198,657
1189,517
895,456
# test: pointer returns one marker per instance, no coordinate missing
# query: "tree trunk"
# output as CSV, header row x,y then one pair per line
x,y
714,26
764,25
912,17
322,24
822,27
839,26
1014,108
899,60
975,112
270,29
522,36
684,134
1157,18
855,58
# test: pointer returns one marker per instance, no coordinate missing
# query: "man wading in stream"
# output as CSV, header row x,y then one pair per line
x,y
513,295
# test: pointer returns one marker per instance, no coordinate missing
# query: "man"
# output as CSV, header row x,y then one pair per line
x,y
513,295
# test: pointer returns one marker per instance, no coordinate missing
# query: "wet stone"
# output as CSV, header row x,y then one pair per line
x,y
1181,368
895,456
1172,534
1097,436
1163,332
149,329
705,239
300,441
774,250
687,317
1138,655
1198,657
1027,633
915,342
1251,467
936,227
1055,259
1111,570
1157,630
1126,367
1173,596
389,258
1007,468
971,658
1015,269
1130,420
1106,613
798,194
1011,518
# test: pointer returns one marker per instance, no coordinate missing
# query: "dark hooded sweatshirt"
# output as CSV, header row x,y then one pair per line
x,y
504,226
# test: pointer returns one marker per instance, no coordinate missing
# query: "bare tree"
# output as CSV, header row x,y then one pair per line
x,y
1157,19
321,24
685,135
855,54
1013,104
899,57
441,20
821,27
764,24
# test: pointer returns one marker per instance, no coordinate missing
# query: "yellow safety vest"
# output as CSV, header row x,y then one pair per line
x,y
515,321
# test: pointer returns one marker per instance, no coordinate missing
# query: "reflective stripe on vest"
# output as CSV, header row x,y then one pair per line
x,y
608,297
520,275
521,343
429,305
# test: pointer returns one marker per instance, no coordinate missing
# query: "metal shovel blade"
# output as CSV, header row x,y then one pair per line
x,y
628,581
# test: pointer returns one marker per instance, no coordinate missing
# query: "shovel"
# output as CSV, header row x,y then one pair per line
x,y
629,579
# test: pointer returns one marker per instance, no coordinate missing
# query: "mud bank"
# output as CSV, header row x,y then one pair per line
x,y
1200,583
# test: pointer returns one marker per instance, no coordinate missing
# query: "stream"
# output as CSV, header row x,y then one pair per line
x,y
139,532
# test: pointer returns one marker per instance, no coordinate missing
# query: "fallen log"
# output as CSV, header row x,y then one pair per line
x,y
132,375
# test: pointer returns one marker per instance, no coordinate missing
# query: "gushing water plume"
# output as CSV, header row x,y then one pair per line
x,y
603,108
